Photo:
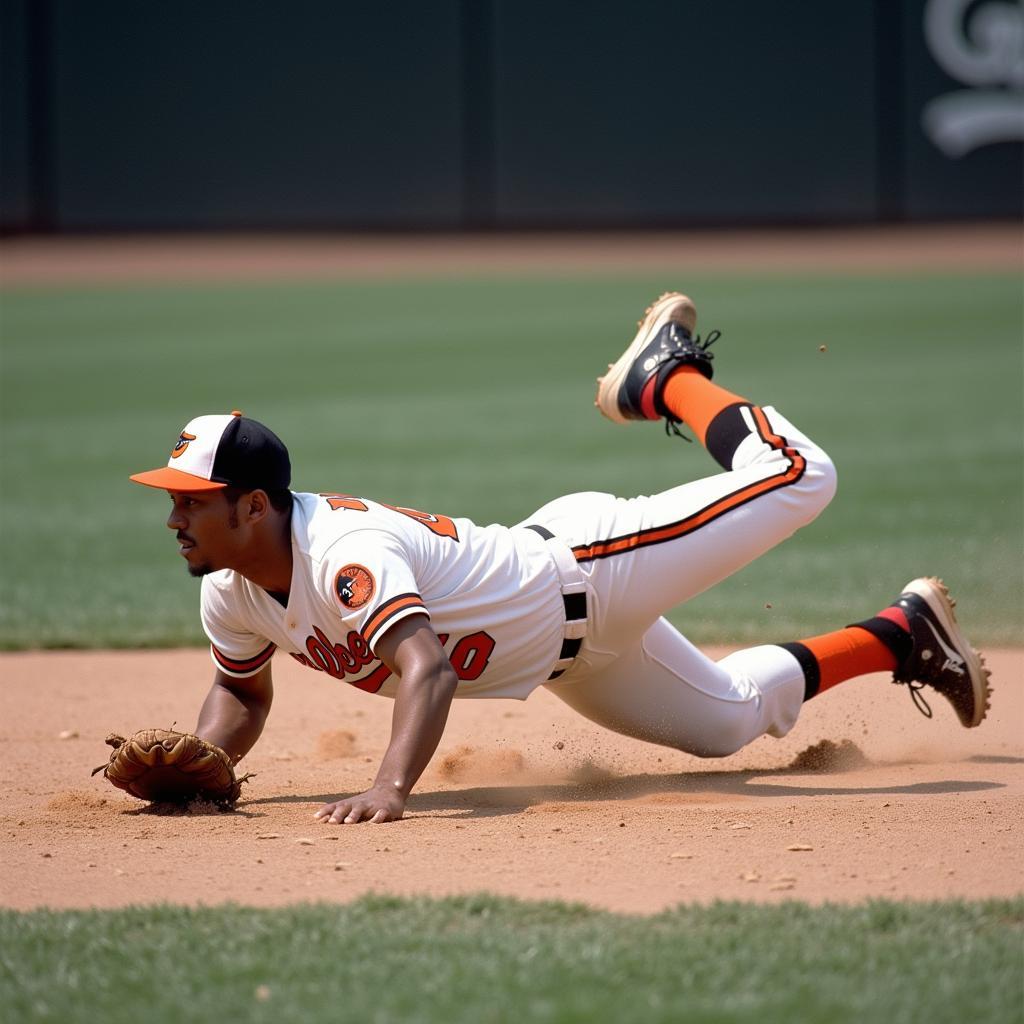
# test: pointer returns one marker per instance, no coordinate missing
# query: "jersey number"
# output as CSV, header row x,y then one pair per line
x,y
441,525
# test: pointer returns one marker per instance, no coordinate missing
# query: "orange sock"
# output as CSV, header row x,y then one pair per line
x,y
694,399
834,657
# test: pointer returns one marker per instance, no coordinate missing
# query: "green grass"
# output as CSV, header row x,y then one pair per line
x,y
473,397
483,959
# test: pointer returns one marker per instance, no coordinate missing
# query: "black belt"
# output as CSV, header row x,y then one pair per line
x,y
575,611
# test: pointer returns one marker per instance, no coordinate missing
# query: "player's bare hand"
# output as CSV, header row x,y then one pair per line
x,y
376,806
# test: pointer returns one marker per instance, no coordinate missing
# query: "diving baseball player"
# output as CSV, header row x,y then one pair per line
x,y
422,608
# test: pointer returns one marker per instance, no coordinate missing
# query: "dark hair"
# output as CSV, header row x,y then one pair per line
x,y
280,500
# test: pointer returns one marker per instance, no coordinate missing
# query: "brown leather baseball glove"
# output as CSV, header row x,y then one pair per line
x,y
171,767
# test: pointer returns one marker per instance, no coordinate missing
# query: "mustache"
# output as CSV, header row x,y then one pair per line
x,y
184,538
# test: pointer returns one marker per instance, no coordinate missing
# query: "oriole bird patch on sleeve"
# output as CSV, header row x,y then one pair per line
x,y
354,585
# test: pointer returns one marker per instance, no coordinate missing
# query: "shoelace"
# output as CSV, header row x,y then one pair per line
x,y
920,703
672,424
704,345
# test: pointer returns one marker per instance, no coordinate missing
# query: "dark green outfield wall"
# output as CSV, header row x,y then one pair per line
x,y
123,114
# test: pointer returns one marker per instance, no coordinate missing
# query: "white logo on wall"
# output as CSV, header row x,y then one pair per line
x,y
984,50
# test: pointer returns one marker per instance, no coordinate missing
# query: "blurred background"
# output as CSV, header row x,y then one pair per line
x,y
492,114
407,236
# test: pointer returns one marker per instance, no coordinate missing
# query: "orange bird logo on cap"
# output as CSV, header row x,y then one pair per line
x,y
179,449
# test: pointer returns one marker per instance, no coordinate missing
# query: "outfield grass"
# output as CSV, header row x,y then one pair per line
x,y
483,959
474,398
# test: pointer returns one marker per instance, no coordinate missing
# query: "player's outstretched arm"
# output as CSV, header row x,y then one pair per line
x,y
235,710
426,687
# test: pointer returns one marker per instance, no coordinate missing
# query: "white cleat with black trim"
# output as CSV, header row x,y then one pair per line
x,y
941,656
665,340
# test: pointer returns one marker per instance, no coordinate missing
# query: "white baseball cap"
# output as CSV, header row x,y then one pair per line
x,y
218,451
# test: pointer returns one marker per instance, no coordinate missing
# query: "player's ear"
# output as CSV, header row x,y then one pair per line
x,y
256,505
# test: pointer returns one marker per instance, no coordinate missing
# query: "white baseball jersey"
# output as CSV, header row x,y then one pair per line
x,y
493,595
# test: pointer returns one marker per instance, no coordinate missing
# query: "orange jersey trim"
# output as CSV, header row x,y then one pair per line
x,y
387,611
250,665
680,528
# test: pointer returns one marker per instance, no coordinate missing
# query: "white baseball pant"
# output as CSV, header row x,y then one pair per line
x,y
635,673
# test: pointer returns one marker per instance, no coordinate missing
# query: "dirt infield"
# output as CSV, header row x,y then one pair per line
x,y
523,799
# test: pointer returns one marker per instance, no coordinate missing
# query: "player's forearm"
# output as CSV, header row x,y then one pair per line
x,y
231,720
421,711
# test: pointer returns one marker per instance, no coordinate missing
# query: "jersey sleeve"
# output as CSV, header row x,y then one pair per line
x,y
370,581
235,650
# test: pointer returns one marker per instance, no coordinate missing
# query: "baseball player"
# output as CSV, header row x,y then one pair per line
x,y
422,608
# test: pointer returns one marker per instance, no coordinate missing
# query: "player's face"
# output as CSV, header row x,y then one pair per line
x,y
205,525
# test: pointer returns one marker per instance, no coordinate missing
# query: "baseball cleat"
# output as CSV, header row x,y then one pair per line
x,y
631,389
940,656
